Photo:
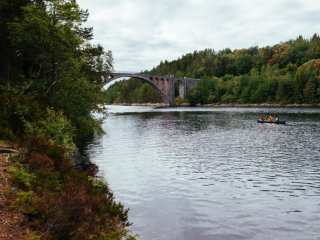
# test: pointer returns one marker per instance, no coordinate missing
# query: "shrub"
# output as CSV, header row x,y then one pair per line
x,y
22,178
37,144
56,153
26,203
54,127
40,161
63,203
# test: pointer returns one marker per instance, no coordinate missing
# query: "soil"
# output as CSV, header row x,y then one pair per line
x,y
12,225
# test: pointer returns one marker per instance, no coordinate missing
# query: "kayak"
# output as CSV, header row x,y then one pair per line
x,y
276,122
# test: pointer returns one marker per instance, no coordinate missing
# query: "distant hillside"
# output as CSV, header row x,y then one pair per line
x,y
208,62
284,73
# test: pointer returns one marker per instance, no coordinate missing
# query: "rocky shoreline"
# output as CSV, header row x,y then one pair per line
x,y
81,163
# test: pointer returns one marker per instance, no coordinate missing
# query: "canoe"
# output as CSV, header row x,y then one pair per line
x,y
275,122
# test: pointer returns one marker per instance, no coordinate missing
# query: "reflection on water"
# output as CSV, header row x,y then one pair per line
x,y
199,173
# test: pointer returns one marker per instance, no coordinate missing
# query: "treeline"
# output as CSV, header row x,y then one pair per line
x,y
285,73
269,85
50,82
239,62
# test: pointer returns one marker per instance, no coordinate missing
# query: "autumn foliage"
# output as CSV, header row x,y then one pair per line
x,y
62,203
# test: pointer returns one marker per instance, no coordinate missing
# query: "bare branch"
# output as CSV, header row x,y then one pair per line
x,y
49,88
5,179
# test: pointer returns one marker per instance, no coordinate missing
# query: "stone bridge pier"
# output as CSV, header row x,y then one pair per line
x,y
165,85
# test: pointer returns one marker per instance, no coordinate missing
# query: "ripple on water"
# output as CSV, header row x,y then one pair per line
x,y
197,174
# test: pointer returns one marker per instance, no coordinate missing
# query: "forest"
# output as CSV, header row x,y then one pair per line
x,y
50,82
284,73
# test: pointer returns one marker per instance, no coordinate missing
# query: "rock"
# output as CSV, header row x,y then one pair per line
x,y
81,163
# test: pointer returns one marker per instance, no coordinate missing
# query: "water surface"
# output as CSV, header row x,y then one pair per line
x,y
214,173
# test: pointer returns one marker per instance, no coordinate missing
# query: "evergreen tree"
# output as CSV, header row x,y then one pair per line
x,y
310,91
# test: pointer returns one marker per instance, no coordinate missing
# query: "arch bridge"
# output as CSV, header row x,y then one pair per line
x,y
163,84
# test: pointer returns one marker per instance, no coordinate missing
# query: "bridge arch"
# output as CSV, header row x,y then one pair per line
x,y
164,85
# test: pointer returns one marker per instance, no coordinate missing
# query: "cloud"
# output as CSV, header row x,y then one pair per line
x,y
142,33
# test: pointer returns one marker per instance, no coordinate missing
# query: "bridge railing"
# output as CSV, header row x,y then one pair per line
x,y
146,74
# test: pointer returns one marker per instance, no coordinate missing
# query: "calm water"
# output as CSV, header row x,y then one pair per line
x,y
214,173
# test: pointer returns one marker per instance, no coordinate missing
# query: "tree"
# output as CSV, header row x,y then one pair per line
x,y
310,91
244,64
264,56
10,63
300,80
65,67
97,61
285,89
50,33
193,95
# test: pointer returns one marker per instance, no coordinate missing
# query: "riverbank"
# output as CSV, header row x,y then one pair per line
x,y
40,185
248,105
261,105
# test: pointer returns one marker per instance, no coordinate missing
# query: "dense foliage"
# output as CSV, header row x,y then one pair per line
x,y
50,82
46,60
284,73
60,202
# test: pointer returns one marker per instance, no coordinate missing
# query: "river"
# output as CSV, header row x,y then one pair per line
x,y
213,173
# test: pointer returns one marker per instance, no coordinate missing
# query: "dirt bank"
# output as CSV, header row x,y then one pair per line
x,y
12,225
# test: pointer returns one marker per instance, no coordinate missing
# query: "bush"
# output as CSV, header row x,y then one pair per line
x,y
39,162
63,203
22,178
26,203
54,127
37,144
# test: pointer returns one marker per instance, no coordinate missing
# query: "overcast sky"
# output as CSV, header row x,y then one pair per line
x,y
141,33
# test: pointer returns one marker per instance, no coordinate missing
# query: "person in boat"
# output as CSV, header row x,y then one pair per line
x,y
271,119
262,118
277,119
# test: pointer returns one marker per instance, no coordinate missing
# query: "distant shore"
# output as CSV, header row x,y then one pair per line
x,y
262,105
257,105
